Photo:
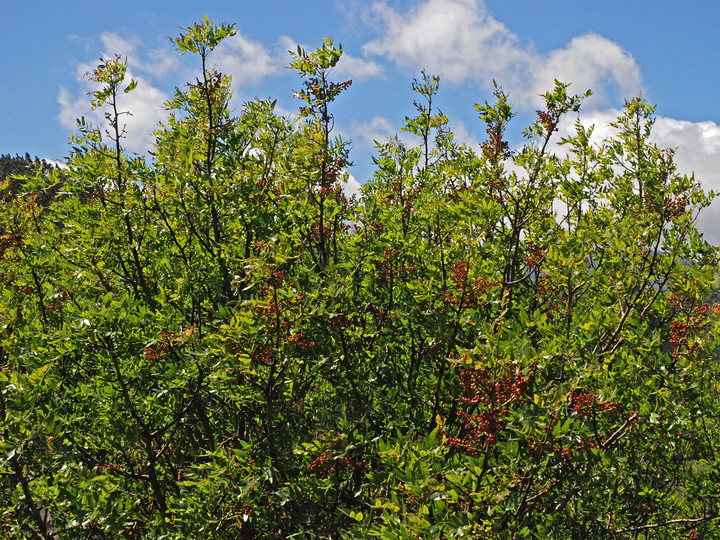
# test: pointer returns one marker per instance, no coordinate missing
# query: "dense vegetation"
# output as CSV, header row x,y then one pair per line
x,y
214,341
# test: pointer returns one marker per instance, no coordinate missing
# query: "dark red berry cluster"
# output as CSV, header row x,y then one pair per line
x,y
535,257
159,350
391,268
689,324
495,149
586,404
492,396
467,293
301,341
329,463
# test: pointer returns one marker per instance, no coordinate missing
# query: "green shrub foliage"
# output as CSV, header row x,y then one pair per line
x,y
215,341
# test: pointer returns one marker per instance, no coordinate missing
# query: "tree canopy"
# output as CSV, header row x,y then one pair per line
x,y
215,341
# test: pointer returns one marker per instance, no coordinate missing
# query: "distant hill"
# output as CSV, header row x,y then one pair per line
x,y
13,168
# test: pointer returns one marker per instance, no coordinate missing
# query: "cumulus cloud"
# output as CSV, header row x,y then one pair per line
x,y
590,62
349,66
145,105
456,38
461,41
157,63
116,44
351,186
696,145
356,68
697,149
463,135
247,60
377,129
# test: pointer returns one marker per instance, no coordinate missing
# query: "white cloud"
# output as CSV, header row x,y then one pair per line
x,y
349,66
463,135
356,68
590,62
455,38
157,63
160,63
461,41
377,129
696,145
247,60
351,186
55,163
697,149
145,105
116,44
70,108
288,45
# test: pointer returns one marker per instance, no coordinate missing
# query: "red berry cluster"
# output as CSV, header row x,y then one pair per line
x,y
317,233
455,190
688,327
548,120
481,387
493,396
556,303
402,195
675,206
261,353
276,278
434,350
109,469
495,149
563,453
365,228
269,312
535,256
161,349
301,341
267,182
341,321
329,463
389,269
647,508
672,206
588,443
241,509
586,404
280,313
275,311
545,288
333,192
467,293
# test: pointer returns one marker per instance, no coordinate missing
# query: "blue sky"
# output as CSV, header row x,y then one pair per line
x,y
666,50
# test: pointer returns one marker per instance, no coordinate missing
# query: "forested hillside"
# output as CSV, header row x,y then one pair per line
x,y
14,169
214,341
